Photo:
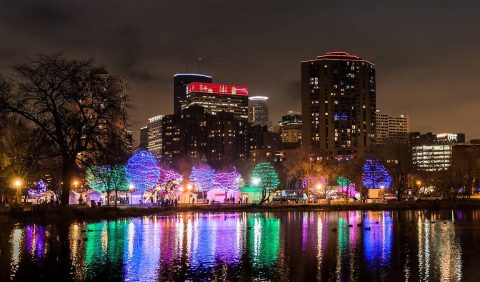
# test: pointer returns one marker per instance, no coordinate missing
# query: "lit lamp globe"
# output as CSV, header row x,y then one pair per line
x,y
256,181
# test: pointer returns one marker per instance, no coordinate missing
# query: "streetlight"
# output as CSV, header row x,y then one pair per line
x,y
256,181
131,187
189,187
17,184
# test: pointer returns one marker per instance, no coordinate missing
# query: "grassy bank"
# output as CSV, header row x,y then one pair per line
x,y
50,213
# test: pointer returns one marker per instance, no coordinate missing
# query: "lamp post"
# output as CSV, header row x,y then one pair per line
x,y
17,184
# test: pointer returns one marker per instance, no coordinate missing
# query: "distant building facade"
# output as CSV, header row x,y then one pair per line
x,y
258,111
433,152
197,135
291,130
180,82
215,98
155,137
338,105
391,129
262,143
143,142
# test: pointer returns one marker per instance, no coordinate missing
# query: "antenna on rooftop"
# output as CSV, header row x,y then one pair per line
x,y
199,60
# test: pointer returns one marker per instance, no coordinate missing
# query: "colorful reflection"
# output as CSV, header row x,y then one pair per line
x,y
297,246
439,251
377,241
263,239
35,239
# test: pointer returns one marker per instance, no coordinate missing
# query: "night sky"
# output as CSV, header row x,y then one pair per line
x,y
427,53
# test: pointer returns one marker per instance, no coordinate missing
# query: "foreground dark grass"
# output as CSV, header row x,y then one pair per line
x,y
53,213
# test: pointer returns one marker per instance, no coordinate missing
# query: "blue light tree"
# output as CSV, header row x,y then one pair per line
x,y
375,175
143,171
203,177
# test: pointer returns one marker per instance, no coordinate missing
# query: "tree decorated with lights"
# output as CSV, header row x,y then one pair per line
x,y
346,186
108,178
375,175
265,178
227,180
169,175
40,188
143,171
203,178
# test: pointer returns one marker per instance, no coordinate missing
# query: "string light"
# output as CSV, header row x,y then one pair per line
x,y
143,170
375,175
264,175
40,188
168,175
202,177
227,180
107,178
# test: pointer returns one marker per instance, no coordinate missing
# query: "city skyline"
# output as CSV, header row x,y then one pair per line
x,y
433,80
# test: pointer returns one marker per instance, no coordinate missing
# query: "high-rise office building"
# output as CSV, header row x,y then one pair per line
x,y
338,105
143,142
215,98
180,82
291,130
391,129
155,140
433,152
258,111
195,135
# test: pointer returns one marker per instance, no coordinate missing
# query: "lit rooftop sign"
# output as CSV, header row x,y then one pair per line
x,y
217,88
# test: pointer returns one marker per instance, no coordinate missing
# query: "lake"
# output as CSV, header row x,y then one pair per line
x,y
281,246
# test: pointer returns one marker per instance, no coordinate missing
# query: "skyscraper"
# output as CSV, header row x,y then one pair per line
x,y
196,135
258,111
391,129
215,98
338,105
155,141
143,143
291,130
180,82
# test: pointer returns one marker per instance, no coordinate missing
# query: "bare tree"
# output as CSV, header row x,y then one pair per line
x,y
398,158
78,107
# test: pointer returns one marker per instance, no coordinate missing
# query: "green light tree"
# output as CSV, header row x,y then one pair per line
x,y
108,178
265,178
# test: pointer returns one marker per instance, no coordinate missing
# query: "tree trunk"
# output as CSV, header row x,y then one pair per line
x,y
108,197
67,170
116,198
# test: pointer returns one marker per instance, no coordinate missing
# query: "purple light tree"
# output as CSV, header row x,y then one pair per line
x,y
227,180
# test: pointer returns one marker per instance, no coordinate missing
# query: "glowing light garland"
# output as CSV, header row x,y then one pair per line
x,y
313,181
169,175
375,175
343,181
202,178
40,188
264,175
143,170
107,178
227,180
346,186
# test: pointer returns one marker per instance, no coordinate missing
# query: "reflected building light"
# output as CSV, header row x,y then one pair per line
x,y
189,235
319,248
104,238
77,251
16,241
131,237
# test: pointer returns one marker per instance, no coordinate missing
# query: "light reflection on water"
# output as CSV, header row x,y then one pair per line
x,y
344,246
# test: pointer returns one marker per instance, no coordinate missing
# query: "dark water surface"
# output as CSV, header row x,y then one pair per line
x,y
296,246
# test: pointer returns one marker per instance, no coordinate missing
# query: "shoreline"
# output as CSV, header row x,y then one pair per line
x,y
73,213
